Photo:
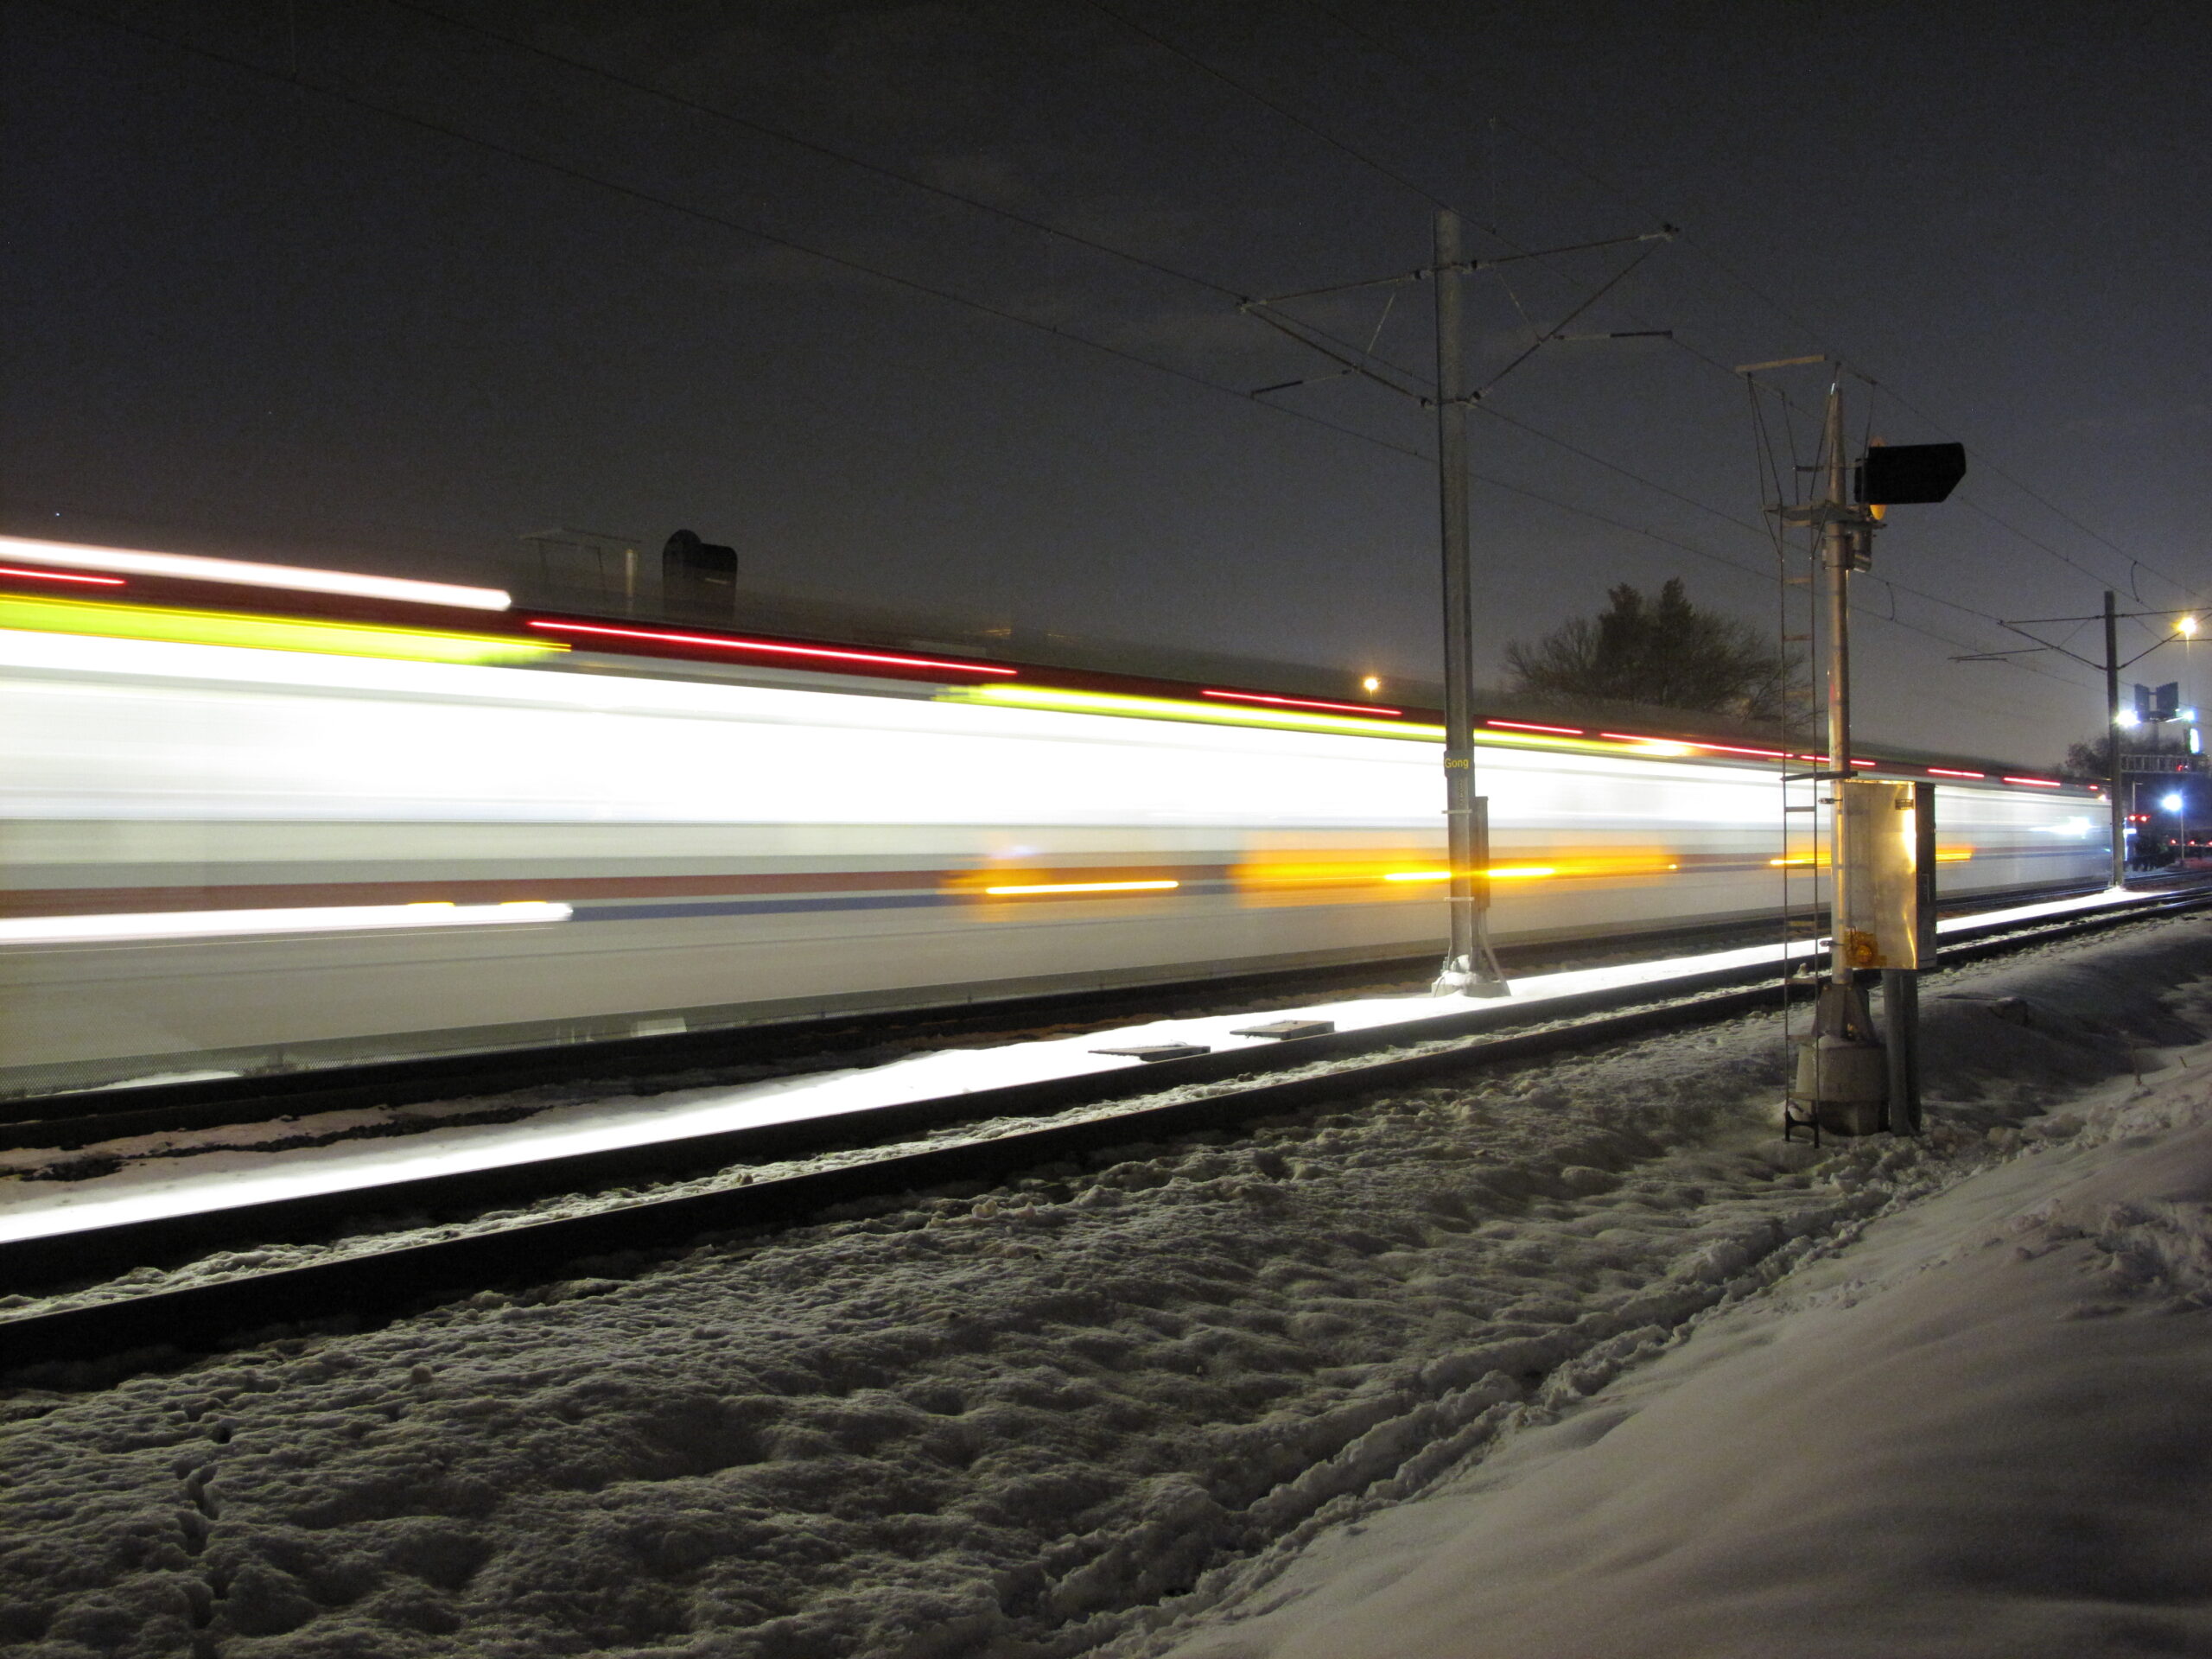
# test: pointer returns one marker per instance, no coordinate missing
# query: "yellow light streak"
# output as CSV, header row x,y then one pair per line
x,y
1207,713
1082,887
1499,873
43,615
1064,700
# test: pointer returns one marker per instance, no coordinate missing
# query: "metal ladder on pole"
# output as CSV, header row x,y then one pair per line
x,y
1803,861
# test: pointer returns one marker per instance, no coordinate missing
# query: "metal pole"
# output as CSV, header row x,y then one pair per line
x,y
1901,1041
2112,736
1842,1073
1901,986
1469,965
1835,541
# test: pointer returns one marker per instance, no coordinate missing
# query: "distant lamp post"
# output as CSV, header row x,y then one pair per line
x,y
1370,685
2172,803
2186,627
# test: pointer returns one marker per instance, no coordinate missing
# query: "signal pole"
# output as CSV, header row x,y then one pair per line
x,y
1881,886
1844,1072
1836,550
2119,784
1470,965
2119,807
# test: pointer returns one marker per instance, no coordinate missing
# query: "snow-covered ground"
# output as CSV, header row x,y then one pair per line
x,y
1572,1359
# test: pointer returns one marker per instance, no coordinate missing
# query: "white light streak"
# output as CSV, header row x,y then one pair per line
x,y
60,1208
247,924
189,567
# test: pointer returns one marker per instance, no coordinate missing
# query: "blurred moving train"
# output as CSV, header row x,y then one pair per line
x,y
254,817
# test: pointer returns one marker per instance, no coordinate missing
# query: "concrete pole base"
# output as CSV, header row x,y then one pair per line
x,y
1841,1083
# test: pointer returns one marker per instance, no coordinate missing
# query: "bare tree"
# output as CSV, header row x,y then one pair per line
x,y
1665,651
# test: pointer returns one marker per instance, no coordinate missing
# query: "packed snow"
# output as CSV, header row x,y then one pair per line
x,y
1568,1357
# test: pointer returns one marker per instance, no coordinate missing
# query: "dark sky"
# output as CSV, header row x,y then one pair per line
x,y
393,285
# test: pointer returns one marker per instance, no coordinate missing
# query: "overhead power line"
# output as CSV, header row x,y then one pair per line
x,y
290,78
784,135
1809,331
1260,98
707,216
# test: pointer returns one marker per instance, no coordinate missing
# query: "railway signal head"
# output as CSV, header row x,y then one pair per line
x,y
1906,474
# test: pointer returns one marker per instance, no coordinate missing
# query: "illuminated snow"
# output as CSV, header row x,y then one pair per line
x,y
148,1190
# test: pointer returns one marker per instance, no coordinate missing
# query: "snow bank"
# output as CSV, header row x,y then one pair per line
x,y
1981,1430
1034,1420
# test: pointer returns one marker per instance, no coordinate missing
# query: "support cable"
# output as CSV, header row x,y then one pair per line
x,y
723,221
1628,199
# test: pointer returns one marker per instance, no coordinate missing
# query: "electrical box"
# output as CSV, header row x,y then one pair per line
x,y
1878,919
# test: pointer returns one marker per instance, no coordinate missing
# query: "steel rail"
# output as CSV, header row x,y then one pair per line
x,y
67,1120
168,1325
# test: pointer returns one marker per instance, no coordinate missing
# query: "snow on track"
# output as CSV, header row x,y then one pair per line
x,y
1036,1420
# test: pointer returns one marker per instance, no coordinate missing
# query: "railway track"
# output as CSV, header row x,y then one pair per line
x,y
647,1065
979,1137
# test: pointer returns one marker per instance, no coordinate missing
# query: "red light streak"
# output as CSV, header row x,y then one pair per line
x,y
1724,749
56,575
1306,702
2037,782
1950,771
763,645
1527,726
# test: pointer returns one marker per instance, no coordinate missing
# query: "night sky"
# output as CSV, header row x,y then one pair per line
x,y
393,285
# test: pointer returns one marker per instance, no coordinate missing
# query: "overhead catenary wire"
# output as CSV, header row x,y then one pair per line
x,y
1429,196
581,176
1289,115
1786,314
707,216
784,135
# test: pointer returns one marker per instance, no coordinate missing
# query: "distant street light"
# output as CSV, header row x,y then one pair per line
x,y
2172,803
